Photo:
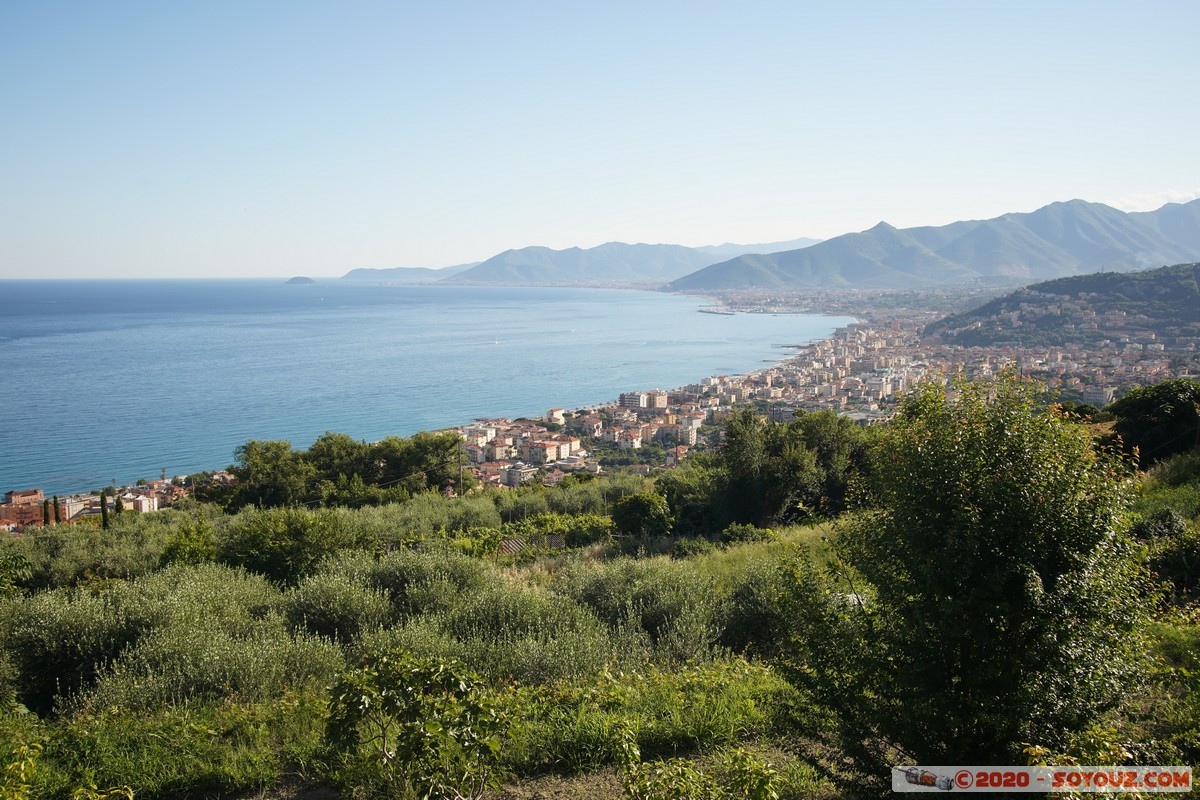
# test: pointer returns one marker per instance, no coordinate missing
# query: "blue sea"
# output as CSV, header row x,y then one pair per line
x,y
119,380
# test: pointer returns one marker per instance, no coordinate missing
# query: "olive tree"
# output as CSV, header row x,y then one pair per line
x,y
988,599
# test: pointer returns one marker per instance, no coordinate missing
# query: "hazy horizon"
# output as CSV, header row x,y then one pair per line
x,y
282,139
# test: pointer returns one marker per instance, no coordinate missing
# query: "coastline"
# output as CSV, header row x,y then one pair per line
x,y
580,355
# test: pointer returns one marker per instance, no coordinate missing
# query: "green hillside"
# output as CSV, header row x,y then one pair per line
x,y
1085,308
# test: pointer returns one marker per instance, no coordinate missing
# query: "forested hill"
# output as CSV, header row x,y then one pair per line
x,y
1058,240
1083,308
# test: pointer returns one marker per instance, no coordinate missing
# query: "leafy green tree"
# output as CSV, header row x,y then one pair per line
x,y
840,447
353,492
766,473
696,494
1159,420
643,514
335,454
422,462
773,475
991,599
271,473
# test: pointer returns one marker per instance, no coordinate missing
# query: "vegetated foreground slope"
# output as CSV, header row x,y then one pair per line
x,y
1084,308
200,652
1061,239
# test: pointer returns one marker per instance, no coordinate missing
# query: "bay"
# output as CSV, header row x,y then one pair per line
x,y
117,380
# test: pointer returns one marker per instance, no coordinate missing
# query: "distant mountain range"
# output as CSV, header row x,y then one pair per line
x,y
1058,240
606,264
406,274
1083,308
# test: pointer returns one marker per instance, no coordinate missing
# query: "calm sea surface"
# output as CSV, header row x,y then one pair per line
x,y
104,380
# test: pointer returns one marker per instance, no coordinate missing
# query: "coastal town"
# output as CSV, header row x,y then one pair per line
x,y
860,371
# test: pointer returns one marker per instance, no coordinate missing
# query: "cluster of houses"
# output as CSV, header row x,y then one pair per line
x,y
860,371
507,453
22,509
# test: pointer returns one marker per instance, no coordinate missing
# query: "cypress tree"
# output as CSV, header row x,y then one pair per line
x,y
57,511
119,506
45,512
103,511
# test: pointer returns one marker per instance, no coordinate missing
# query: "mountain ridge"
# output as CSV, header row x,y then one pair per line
x,y
406,274
1057,240
608,263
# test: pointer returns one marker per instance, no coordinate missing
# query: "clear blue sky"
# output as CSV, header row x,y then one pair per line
x,y
272,138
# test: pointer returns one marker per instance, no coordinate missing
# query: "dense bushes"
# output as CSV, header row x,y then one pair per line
x,y
68,555
194,663
768,473
185,654
334,606
60,640
668,601
284,543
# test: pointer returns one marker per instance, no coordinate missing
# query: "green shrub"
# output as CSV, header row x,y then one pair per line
x,y
576,499
191,543
642,514
411,725
420,637
578,531
757,617
425,515
668,600
532,657
69,555
284,544
674,779
588,529
225,597
531,635
430,581
1176,560
522,503
508,610
61,639
574,725
738,533
334,606
1178,469
1164,523
182,663
737,775
477,541
691,546
14,570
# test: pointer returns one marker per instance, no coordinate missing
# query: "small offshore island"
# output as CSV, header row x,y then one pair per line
x,y
300,280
